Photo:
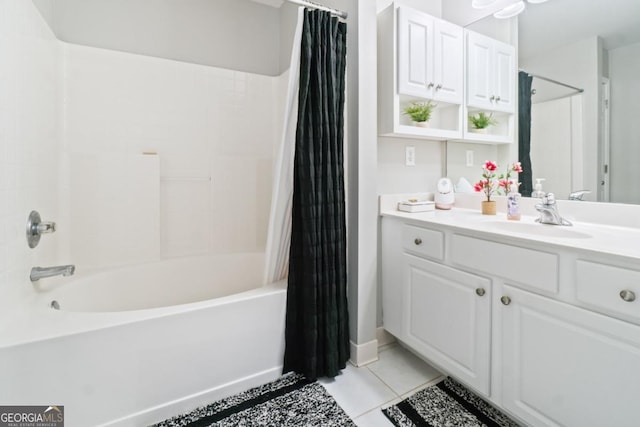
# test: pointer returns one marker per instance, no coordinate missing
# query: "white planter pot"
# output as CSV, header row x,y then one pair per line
x,y
482,131
421,124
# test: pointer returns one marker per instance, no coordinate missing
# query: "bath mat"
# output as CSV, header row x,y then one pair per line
x,y
288,401
448,404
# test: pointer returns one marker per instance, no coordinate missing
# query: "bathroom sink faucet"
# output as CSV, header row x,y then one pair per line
x,y
578,195
38,273
549,211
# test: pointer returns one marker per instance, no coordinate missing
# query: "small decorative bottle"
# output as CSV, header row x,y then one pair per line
x,y
513,203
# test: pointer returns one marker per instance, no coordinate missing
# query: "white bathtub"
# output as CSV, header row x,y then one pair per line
x,y
135,346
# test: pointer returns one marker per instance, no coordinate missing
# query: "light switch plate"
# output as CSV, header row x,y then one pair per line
x,y
410,155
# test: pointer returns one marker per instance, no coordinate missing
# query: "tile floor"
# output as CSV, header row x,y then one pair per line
x,y
363,391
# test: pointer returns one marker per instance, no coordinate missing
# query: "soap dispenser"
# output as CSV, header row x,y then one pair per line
x,y
537,189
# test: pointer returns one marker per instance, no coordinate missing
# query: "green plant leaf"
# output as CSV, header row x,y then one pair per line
x,y
420,111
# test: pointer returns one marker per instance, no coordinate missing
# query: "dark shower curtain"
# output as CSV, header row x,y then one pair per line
x,y
317,329
524,132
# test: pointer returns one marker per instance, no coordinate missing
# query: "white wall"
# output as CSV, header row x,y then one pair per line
x,y
551,140
29,146
578,64
624,69
457,160
208,32
214,132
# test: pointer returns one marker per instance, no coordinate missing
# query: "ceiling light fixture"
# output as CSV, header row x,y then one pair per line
x,y
481,4
510,11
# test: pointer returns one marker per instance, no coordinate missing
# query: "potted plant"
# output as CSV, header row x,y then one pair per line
x,y
420,112
481,121
489,184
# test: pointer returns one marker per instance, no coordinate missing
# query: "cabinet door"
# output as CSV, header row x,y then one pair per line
x,y
447,319
566,366
415,53
504,73
448,62
479,71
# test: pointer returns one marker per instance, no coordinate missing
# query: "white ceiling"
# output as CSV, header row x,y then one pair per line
x,y
558,22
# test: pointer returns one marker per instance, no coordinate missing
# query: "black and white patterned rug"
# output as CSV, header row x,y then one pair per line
x,y
446,404
288,401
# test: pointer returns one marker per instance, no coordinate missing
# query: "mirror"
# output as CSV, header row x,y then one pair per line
x,y
584,60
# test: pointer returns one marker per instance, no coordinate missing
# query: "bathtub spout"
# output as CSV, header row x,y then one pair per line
x,y
38,273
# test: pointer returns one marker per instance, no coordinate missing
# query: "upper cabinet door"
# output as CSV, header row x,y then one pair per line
x,y
504,75
430,57
490,73
448,62
415,53
479,71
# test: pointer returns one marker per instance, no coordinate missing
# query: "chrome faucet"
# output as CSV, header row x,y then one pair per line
x,y
549,211
578,195
38,273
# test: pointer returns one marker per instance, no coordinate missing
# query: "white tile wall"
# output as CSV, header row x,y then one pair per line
x,y
29,144
214,130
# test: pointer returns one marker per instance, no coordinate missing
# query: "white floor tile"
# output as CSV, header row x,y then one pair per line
x,y
401,370
357,390
374,418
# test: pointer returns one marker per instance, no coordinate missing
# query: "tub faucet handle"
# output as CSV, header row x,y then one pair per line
x,y
36,227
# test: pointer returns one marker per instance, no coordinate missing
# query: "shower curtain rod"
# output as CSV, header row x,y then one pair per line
x,y
553,81
307,3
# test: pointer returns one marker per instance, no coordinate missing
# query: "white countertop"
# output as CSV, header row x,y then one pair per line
x,y
604,239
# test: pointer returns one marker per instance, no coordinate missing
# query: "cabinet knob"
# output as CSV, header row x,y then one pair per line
x,y
493,98
505,300
497,98
480,291
628,295
418,241
430,85
438,87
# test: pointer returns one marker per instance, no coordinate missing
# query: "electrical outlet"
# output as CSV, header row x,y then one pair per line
x,y
469,158
410,155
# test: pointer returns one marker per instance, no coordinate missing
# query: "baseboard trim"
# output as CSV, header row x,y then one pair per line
x,y
384,337
362,354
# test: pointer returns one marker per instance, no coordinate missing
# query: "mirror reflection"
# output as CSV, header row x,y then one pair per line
x,y
579,66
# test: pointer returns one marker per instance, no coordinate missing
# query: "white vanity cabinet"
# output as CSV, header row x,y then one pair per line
x,y
443,313
549,333
566,366
429,57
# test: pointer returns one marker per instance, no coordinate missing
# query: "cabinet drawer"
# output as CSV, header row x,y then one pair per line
x,y
610,289
421,241
534,269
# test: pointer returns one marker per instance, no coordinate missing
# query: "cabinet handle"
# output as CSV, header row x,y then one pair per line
x,y
430,85
497,98
628,295
505,300
418,241
438,87
493,98
480,292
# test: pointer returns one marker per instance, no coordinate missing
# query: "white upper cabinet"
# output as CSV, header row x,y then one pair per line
x,y
490,73
430,60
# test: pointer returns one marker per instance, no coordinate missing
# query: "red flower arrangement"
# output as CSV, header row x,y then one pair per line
x,y
488,183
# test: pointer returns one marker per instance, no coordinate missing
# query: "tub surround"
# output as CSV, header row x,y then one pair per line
x,y
529,315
